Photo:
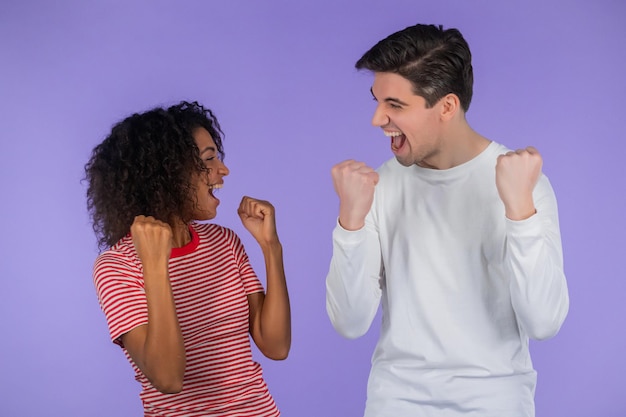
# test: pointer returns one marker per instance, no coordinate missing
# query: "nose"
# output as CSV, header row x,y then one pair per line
x,y
380,118
222,169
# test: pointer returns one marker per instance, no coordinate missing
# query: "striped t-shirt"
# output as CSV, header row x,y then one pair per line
x,y
210,279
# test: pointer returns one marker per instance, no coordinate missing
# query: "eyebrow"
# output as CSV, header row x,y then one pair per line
x,y
390,99
208,149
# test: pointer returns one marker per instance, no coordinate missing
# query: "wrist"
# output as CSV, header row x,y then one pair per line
x,y
351,220
155,269
271,246
518,214
351,224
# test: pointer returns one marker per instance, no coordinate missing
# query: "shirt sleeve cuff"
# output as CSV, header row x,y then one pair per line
x,y
524,228
348,237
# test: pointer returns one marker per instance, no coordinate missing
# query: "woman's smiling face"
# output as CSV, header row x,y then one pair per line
x,y
206,182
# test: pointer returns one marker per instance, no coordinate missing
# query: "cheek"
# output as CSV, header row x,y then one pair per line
x,y
421,127
408,124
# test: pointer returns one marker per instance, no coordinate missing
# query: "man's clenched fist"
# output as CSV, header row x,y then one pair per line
x,y
354,183
517,173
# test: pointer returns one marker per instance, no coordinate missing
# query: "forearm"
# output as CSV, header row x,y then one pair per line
x,y
162,356
535,260
353,281
275,316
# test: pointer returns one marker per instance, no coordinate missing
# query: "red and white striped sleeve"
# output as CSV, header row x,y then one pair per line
x,y
120,289
251,283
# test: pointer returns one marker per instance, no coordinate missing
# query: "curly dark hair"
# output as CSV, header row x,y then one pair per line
x,y
145,166
436,61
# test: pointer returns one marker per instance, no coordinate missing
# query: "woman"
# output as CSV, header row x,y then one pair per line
x,y
180,297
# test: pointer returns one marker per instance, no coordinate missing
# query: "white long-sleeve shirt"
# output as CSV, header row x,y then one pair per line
x,y
463,289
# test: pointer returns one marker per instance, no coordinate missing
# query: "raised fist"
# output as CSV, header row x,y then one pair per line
x,y
517,173
354,183
258,217
153,241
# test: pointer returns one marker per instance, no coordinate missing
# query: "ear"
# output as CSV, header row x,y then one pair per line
x,y
450,106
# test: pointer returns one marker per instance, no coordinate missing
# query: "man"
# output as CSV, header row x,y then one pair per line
x,y
458,236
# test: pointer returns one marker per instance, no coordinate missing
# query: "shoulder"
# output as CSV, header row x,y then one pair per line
x,y
123,253
210,229
213,232
497,149
116,265
543,187
389,168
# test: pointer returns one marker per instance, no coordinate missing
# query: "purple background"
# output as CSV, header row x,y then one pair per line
x,y
280,76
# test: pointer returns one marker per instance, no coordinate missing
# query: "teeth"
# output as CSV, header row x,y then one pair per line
x,y
215,186
392,134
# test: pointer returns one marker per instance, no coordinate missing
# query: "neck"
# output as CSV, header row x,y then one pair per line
x,y
459,144
180,234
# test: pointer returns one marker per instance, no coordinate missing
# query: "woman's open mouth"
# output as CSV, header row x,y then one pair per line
x,y
214,187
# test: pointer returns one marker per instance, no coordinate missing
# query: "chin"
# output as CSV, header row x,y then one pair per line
x,y
404,161
205,216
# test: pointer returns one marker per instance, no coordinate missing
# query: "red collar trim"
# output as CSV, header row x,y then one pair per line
x,y
189,247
